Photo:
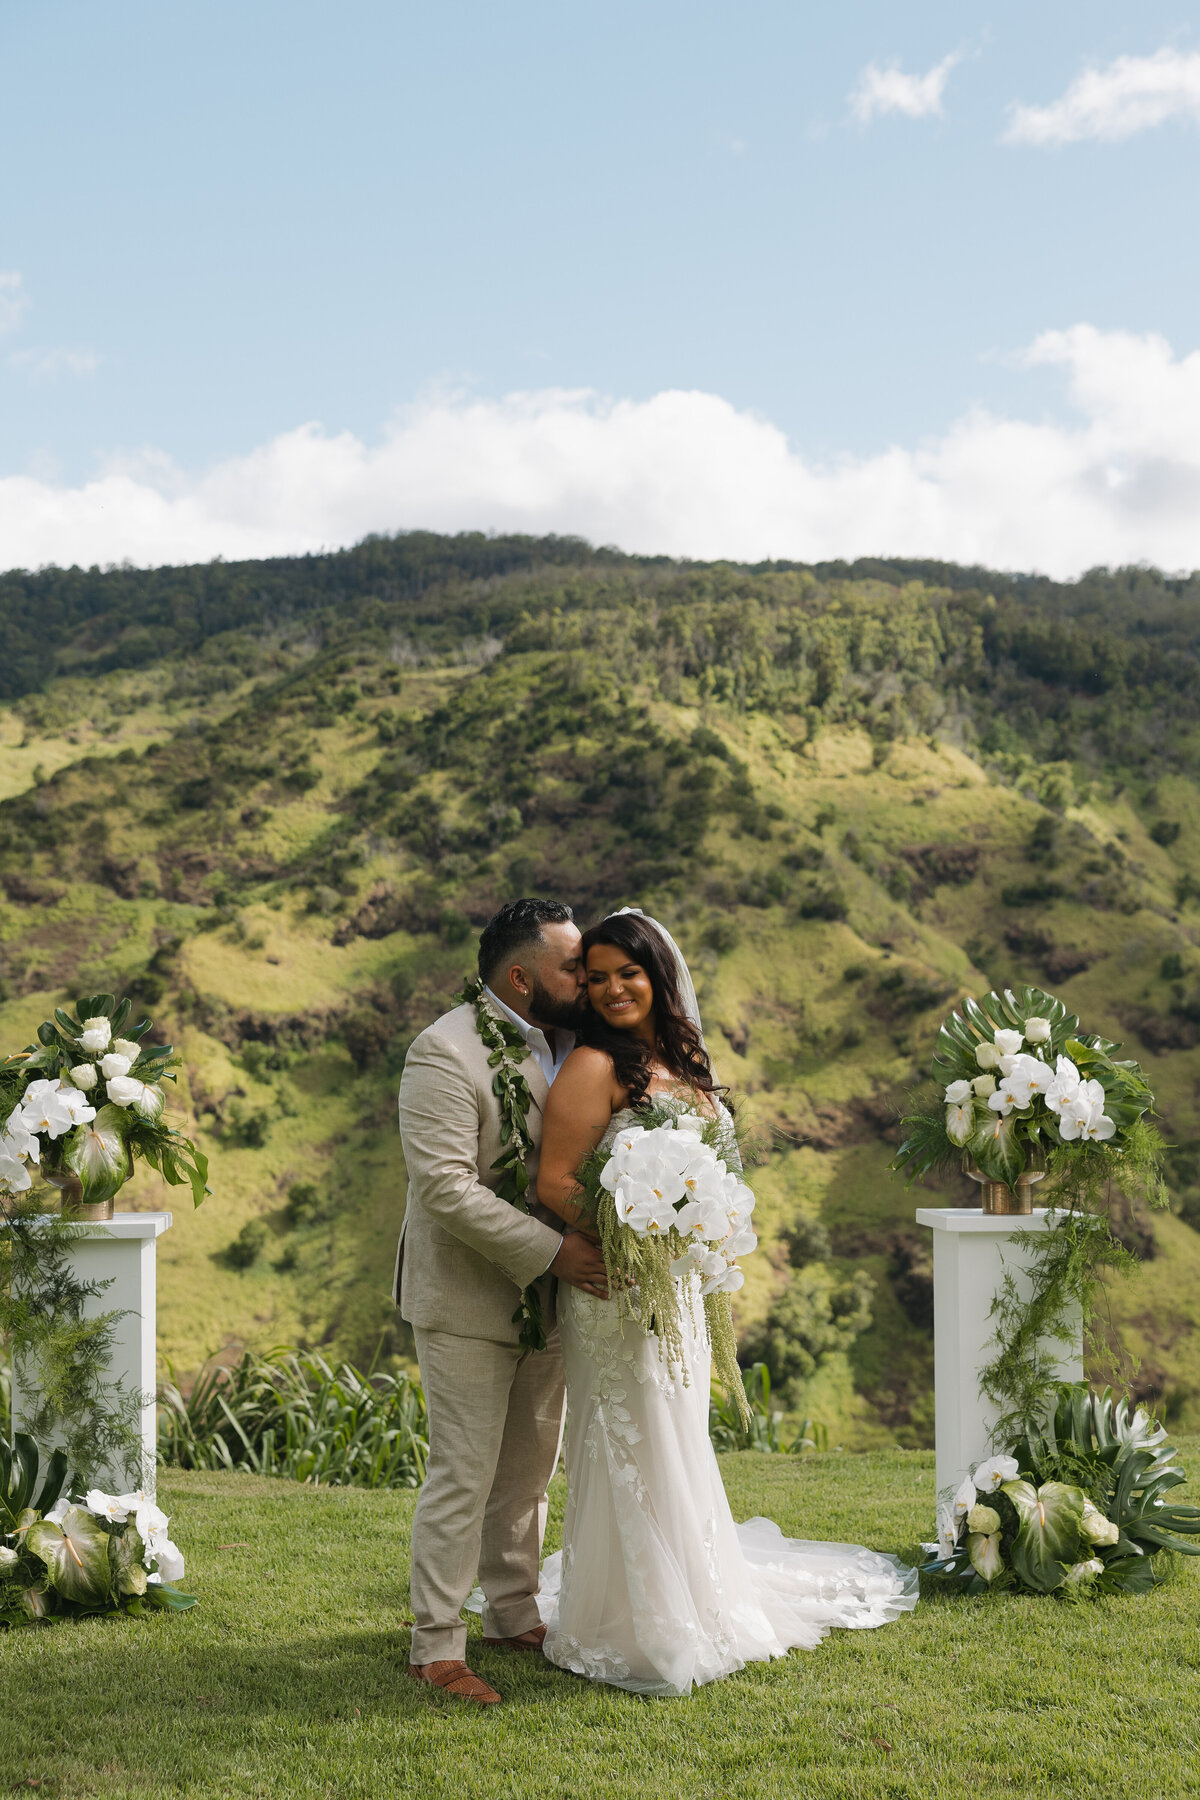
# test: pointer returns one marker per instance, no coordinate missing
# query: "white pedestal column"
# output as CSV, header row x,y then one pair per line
x,y
122,1251
972,1251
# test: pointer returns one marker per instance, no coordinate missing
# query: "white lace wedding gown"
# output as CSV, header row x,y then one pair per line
x,y
656,1589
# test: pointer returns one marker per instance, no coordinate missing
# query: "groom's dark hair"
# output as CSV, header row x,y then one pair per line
x,y
517,927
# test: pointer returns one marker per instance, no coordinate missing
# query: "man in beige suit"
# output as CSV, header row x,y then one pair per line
x,y
495,1412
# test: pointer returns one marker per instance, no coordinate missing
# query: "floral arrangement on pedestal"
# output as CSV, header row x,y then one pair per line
x,y
1023,1087
67,1558
84,1103
673,1216
1077,1502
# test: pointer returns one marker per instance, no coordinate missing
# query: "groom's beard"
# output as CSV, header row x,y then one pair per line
x,y
557,1015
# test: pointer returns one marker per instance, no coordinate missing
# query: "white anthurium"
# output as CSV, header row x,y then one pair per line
x,y
127,1047
99,1154
1007,1043
95,1037
965,1499
8,1558
984,1552
1096,1527
1065,1084
994,1472
115,1064
983,1085
1037,1030
1085,1571
106,1506
83,1076
960,1122
169,1560
957,1092
987,1056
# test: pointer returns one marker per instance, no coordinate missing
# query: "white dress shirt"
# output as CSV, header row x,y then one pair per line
x,y
548,1061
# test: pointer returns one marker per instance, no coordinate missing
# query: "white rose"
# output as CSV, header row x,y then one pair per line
x,y
984,1085
1007,1042
1096,1528
1037,1031
987,1056
984,1519
96,1036
112,1064
83,1076
1084,1571
127,1047
957,1092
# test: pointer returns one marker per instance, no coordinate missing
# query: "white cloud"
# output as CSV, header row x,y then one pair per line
x,y
44,365
1131,94
684,473
884,90
13,300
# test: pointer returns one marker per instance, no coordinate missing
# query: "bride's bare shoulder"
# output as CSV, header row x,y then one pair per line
x,y
588,1067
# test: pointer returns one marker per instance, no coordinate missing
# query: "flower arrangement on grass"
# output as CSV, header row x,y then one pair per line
x,y
1022,1084
65,1558
1078,1501
85,1102
673,1217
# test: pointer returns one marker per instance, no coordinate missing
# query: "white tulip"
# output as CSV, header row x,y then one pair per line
x,y
84,1076
957,1092
987,1056
95,1036
112,1064
1037,1031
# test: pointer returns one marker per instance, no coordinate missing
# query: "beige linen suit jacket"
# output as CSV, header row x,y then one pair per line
x,y
464,1254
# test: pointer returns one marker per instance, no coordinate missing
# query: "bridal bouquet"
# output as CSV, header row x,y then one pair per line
x,y
84,1103
1078,1501
673,1217
1021,1082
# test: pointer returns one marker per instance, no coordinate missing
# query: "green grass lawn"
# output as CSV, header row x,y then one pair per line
x,y
289,1677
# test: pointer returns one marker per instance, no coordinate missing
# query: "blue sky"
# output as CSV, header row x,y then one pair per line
x,y
225,222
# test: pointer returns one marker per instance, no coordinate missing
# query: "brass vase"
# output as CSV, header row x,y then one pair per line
x,y
998,1197
73,1204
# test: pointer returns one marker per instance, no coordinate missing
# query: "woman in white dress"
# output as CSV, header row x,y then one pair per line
x,y
656,1589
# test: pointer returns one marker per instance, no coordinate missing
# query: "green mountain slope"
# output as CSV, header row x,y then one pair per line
x,y
279,800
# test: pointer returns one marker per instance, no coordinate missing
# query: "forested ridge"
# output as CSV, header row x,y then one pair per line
x,y
279,798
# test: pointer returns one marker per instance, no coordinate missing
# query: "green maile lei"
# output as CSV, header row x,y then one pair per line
x,y
507,1049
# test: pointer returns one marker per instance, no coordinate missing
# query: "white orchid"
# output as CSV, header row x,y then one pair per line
x,y
114,1064
947,1530
1002,1101
106,1506
50,1109
964,1500
1083,1115
960,1122
169,1560
957,1092
95,1036
17,1139
983,1085
1026,1077
993,1472
1007,1043
1037,1031
14,1173
59,1510
987,1056
727,1282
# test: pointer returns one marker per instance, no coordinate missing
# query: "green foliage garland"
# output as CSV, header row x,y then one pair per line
x,y
506,1049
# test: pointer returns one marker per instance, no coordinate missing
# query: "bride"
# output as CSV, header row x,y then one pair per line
x,y
656,1589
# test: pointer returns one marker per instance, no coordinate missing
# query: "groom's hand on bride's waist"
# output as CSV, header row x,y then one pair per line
x,y
580,1261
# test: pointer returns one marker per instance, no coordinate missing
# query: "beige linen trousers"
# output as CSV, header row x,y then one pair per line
x,y
495,1416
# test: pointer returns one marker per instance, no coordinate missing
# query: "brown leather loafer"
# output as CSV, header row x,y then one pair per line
x,y
528,1640
455,1678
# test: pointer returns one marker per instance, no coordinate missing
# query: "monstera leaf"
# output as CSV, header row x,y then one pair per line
x,y
20,1465
76,1556
979,1020
1048,1536
98,1153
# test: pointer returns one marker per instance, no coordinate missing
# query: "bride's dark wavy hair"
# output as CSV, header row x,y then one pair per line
x,y
679,1043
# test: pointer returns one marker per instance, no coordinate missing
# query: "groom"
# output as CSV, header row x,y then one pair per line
x,y
495,1412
